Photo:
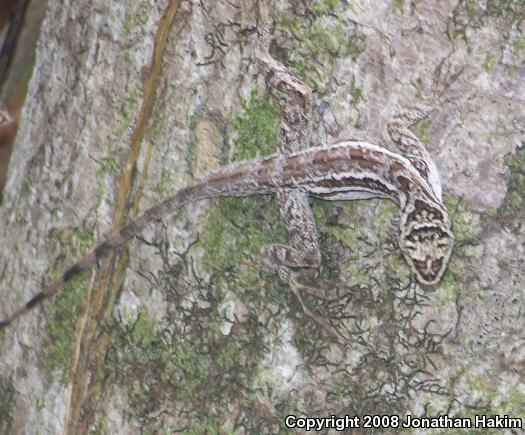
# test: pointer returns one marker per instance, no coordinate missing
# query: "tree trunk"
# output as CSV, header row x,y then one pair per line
x,y
182,329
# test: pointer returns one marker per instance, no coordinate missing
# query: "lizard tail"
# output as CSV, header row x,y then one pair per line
x,y
130,229
52,287
237,183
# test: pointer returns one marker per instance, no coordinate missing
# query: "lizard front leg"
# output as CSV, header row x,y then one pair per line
x,y
414,150
408,143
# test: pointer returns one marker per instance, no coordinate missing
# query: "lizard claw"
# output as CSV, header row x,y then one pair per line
x,y
295,287
443,78
273,261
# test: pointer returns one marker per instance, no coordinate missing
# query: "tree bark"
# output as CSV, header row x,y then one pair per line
x,y
182,329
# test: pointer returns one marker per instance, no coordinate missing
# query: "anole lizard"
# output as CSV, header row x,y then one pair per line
x,y
346,170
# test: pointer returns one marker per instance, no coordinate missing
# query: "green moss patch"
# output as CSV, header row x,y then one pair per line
x,y
184,367
62,316
321,40
7,401
257,128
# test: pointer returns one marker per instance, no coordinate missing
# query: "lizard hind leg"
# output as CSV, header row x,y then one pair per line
x,y
303,251
295,134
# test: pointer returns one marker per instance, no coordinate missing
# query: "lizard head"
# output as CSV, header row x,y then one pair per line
x,y
426,241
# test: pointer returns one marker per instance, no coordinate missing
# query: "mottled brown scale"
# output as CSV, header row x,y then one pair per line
x,y
404,182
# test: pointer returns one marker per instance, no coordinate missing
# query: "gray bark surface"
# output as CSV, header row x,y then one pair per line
x,y
182,329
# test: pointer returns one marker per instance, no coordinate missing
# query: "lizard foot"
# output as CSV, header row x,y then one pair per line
x,y
296,288
283,259
275,259
443,78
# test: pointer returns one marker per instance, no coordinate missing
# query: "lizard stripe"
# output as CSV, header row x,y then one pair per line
x,y
71,272
102,249
347,183
34,300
